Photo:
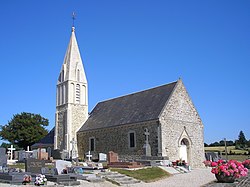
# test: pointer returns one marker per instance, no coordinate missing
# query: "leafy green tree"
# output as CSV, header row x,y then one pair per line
x,y
241,142
24,129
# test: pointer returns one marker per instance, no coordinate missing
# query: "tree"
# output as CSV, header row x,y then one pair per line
x,y
241,142
24,129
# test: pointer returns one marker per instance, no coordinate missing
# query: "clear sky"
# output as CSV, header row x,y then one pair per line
x,y
129,46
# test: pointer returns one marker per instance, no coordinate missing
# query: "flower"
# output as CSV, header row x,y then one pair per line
x,y
246,164
26,179
231,168
40,179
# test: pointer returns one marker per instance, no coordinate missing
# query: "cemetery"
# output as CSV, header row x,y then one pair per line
x,y
39,163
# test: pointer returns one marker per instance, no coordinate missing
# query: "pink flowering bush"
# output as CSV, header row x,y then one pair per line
x,y
231,168
246,163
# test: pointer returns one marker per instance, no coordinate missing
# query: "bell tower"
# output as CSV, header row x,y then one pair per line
x,y
71,98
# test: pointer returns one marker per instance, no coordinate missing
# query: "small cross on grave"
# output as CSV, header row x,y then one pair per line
x,y
73,150
89,156
11,149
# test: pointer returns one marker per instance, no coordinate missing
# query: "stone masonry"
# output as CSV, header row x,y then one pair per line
x,y
180,120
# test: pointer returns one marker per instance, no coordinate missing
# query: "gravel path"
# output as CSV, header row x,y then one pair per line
x,y
196,178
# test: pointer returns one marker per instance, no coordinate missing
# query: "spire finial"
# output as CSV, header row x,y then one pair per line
x,y
73,19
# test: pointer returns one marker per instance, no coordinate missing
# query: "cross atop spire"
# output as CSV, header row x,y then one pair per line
x,y
73,18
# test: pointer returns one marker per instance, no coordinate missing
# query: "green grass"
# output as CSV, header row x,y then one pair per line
x,y
236,157
146,175
229,149
19,165
219,148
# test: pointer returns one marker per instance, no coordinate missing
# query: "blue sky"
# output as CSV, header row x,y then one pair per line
x,y
128,46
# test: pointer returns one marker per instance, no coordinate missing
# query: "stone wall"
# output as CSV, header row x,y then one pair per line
x,y
116,139
69,119
60,129
79,116
180,116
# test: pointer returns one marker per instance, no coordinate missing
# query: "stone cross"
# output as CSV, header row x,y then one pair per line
x,y
89,156
146,133
73,150
146,146
11,149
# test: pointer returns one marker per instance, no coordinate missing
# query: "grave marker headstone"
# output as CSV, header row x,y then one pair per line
x,y
49,151
3,157
112,157
89,156
11,149
62,164
33,165
102,157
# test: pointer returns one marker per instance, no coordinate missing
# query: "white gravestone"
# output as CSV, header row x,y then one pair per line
x,y
102,157
62,164
89,156
11,149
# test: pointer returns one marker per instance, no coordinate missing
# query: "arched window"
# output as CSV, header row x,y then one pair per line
x,y
78,94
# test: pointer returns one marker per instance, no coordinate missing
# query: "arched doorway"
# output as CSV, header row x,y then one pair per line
x,y
184,150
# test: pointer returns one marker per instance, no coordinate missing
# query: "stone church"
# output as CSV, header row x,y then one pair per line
x,y
158,123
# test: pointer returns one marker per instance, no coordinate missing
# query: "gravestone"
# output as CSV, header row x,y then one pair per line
x,y
11,149
56,154
212,156
146,146
49,151
3,157
62,164
89,156
64,155
33,165
23,155
112,157
102,157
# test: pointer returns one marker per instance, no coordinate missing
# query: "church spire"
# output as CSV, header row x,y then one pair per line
x,y
72,64
72,97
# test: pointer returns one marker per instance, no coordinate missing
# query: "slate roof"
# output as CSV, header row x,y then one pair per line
x,y
47,140
133,108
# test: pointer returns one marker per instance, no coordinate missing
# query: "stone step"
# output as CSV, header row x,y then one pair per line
x,y
120,178
170,170
183,169
129,182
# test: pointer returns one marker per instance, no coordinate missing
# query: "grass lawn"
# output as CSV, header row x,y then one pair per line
x,y
19,165
146,175
236,157
219,148
229,149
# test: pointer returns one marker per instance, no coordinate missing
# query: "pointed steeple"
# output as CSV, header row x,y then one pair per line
x,y
72,97
72,64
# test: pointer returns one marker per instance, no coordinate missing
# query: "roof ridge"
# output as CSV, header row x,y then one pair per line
x,y
137,92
